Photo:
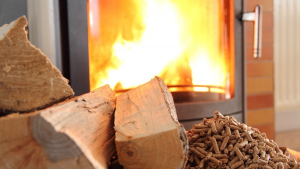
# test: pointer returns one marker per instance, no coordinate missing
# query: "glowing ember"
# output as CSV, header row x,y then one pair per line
x,y
184,42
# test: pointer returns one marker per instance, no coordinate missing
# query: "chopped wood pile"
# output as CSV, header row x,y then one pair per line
x,y
75,133
57,130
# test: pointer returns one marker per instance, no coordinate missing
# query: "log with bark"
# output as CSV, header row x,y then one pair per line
x,y
148,134
77,133
28,81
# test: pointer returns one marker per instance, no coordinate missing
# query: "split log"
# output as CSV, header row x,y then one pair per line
x,y
28,81
77,133
148,134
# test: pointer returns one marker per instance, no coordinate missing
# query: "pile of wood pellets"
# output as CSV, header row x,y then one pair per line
x,y
223,142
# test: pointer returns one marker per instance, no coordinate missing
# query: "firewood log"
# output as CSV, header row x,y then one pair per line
x,y
77,133
28,81
148,134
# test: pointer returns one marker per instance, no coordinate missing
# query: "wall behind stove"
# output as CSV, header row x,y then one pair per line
x,y
286,64
11,10
43,24
260,72
44,32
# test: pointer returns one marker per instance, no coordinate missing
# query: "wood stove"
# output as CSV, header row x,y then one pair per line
x,y
190,109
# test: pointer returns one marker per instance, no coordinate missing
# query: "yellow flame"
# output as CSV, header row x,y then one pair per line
x,y
180,41
137,62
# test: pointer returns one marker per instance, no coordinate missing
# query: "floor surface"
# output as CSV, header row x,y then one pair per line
x,y
290,139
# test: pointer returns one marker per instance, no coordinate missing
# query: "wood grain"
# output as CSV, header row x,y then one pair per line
x,y
76,133
28,80
18,149
148,134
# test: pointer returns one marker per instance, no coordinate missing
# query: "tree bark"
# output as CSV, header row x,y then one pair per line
x,y
148,134
28,81
76,133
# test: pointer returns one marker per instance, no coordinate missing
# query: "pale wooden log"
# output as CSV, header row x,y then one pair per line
x,y
148,134
76,133
28,81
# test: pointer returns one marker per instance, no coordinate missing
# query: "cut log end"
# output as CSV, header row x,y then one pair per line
x,y
57,145
77,133
148,134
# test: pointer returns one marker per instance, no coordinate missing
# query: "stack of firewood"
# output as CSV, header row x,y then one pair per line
x,y
44,126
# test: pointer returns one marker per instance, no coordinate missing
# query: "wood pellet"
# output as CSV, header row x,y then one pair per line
x,y
223,142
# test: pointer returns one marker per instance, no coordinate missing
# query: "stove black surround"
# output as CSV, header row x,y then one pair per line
x,y
74,31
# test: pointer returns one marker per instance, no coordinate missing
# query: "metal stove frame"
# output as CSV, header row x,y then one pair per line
x,y
75,61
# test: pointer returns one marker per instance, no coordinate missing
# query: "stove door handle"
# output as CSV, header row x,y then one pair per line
x,y
255,17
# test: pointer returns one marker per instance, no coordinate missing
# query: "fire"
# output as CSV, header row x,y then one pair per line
x,y
181,41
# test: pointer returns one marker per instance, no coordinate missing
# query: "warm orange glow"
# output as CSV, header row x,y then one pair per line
x,y
217,90
201,89
184,42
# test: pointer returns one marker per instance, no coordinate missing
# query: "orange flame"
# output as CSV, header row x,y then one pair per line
x,y
184,42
